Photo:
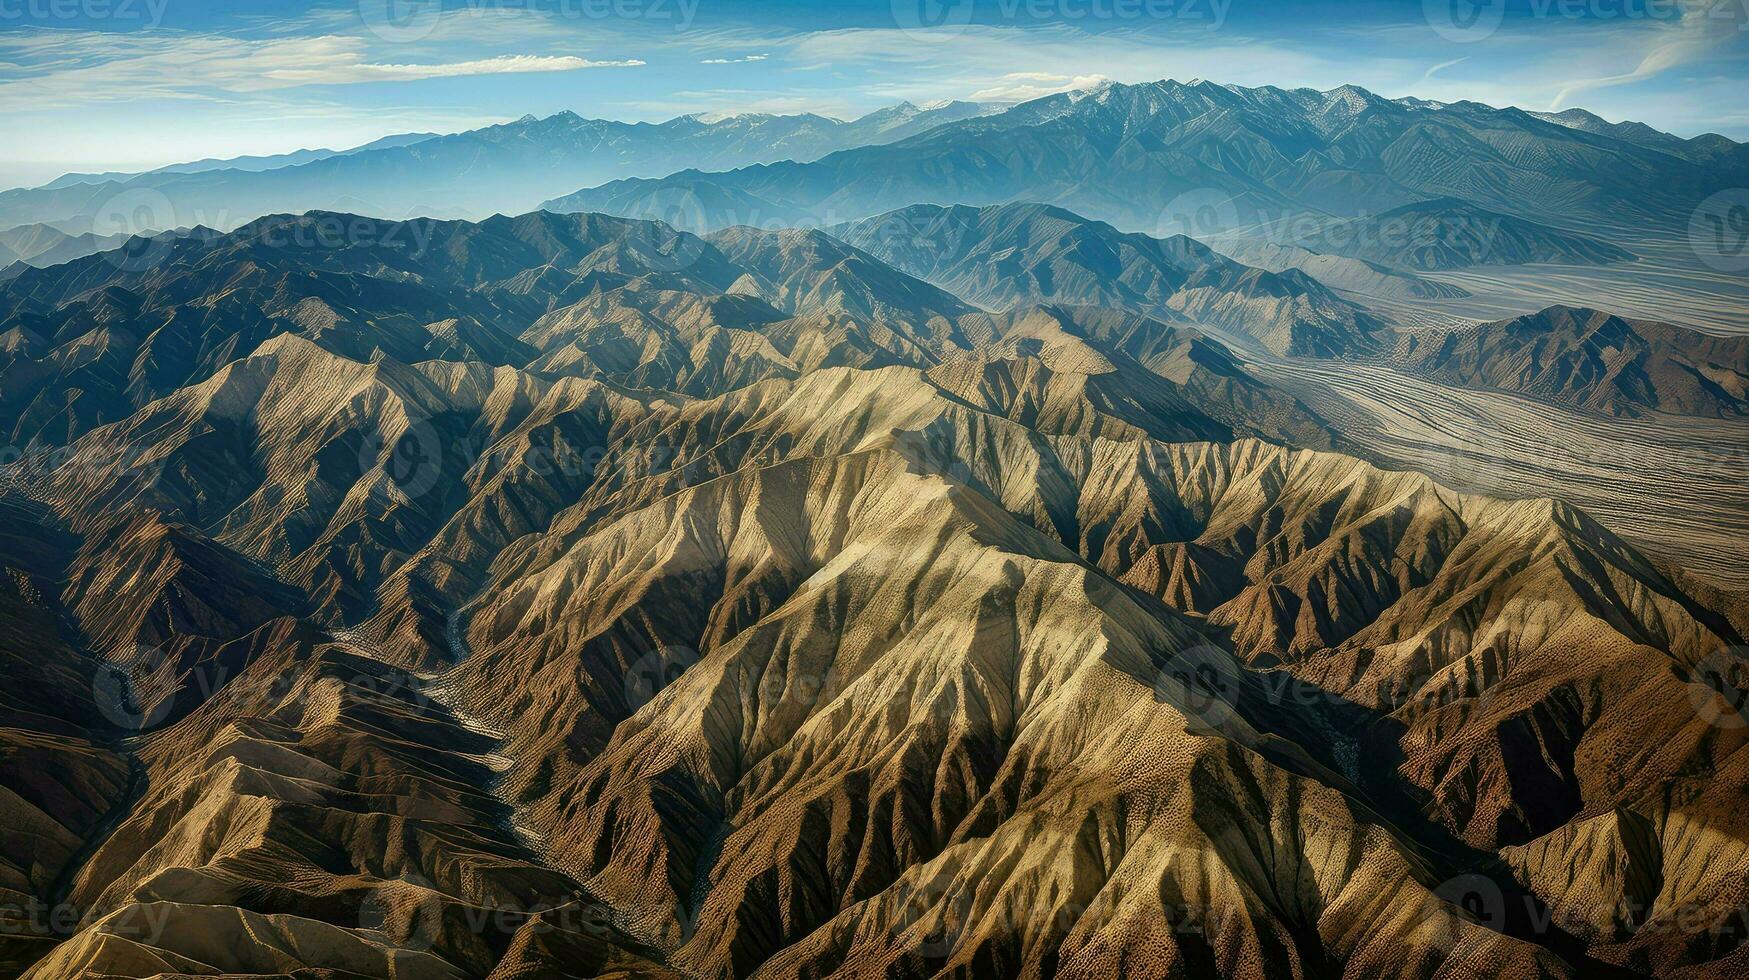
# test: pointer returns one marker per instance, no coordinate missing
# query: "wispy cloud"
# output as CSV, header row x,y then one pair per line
x,y
1436,69
254,81
67,68
491,22
726,102
983,57
510,64
1024,85
1698,33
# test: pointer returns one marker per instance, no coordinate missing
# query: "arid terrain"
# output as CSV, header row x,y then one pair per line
x,y
972,589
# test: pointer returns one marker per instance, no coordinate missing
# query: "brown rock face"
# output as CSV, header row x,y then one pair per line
x,y
578,598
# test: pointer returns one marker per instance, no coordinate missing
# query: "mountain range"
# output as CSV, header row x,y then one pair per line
x,y
1007,255
1209,158
1094,537
445,175
42,245
1590,359
571,595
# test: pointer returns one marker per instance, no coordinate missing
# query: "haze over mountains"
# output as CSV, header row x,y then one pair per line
x,y
985,582
1004,256
1128,153
508,168
41,245
1010,255
1376,194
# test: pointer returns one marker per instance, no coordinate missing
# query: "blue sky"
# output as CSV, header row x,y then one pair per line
x,y
130,84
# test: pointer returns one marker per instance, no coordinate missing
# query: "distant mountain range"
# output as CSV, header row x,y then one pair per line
x,y
1709,149
242,164
1201,158
1327,172
1015,255
1589,359
1005,256
499,169
43,245
1208,159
